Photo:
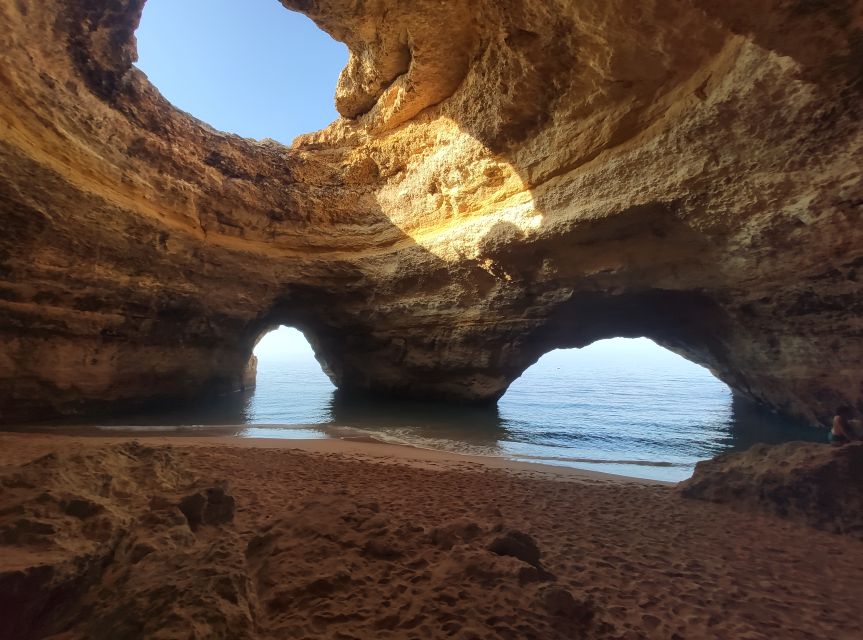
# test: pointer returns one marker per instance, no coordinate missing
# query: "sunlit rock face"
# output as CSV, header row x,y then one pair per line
x,y
508,177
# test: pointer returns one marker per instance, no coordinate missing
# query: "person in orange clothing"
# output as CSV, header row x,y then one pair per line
x,y
841,432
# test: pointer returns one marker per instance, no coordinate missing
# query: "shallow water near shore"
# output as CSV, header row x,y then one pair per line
x,y
619,406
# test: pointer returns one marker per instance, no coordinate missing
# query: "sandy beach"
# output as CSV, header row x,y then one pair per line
x,y
231,538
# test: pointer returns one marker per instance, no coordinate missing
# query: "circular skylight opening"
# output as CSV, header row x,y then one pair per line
x,y
252,68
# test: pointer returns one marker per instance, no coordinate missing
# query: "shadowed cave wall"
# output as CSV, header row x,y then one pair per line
x,y
507,178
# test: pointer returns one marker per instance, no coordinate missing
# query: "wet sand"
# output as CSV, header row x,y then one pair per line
x,y
357,539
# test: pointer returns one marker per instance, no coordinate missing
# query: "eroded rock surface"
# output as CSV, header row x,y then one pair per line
x,y
99,542
148,559
508,178
811,483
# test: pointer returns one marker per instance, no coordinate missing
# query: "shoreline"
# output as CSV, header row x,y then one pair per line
x,y
293,433
374,449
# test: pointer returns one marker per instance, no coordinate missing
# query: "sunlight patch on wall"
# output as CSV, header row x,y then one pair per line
x,y
461,202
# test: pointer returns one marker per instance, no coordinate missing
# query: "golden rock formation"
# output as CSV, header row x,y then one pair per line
x,y
508,177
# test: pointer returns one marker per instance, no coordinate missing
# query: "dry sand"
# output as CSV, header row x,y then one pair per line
x,y
220,537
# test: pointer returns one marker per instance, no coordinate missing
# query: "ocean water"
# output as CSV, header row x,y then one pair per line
x,y
620,406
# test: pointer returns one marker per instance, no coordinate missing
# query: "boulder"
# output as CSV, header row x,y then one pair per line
x,y
820,485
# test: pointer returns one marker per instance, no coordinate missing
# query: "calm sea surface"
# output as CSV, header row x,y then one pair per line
x,y
619,406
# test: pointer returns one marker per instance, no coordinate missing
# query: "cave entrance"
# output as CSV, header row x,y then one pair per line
x,y
291,386
632,407
252,68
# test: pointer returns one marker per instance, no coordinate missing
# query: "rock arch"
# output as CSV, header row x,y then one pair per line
x,y
508,177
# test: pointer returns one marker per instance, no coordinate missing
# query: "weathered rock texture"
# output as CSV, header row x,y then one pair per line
x,y
811,483
509,177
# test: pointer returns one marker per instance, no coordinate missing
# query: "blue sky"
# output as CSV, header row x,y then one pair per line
x,y
284,342
249,67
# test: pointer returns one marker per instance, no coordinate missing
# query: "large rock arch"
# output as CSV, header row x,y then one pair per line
x,y
508,177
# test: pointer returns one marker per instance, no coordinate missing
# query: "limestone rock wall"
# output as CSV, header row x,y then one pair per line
x,y
796,480
507,178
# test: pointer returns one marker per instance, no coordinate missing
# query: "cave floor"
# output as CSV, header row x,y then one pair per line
x,y
345,540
